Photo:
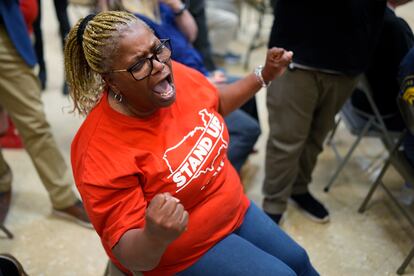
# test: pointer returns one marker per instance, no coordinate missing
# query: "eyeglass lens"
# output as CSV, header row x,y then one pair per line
x,y
143,68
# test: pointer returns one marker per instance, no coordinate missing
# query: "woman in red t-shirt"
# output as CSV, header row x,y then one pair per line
x,y
150,158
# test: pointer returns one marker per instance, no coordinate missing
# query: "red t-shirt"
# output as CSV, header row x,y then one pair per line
x,y
120,163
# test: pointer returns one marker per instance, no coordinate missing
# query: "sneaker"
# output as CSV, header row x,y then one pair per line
x,y
74,213
275,217
311,207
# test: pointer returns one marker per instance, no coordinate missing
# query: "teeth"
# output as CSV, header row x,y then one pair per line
x,y
165,94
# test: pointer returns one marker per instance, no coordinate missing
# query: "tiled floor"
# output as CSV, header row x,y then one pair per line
x,y
373,243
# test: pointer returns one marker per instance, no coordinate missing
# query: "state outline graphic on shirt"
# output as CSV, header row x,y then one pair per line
x,y
208,145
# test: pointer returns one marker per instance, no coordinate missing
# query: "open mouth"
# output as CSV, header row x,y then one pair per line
x,y
165,88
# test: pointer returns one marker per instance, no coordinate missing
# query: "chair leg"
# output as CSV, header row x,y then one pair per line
x,y
6,231
374,186
378,180
347,156
399,206
407,260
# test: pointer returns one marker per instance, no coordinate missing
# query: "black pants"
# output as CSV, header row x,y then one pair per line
x,y
64,28
202,42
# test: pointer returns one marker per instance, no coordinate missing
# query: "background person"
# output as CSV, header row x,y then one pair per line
x,y
396,39
332,42
20,97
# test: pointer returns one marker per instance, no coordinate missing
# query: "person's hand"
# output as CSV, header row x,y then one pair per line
x,y
173,4
165,218
277,60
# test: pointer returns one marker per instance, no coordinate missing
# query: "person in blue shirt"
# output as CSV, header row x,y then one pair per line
x,y
20,97
183,51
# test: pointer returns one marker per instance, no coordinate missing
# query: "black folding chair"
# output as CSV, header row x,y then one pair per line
x,y
360,124
398,160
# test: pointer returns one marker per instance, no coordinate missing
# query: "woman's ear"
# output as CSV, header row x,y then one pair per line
x,y
109,81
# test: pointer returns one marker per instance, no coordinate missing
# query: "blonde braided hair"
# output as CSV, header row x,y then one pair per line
x,y
87,59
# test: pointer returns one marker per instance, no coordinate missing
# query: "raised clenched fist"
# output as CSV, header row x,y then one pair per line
x,y
277,60
165,218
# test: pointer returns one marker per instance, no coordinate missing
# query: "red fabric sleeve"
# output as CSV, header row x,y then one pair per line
x,y
115,208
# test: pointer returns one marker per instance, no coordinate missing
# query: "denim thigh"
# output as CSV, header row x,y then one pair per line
x,y
258,247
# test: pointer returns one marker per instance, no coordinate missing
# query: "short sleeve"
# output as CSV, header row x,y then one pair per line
x,y
114,208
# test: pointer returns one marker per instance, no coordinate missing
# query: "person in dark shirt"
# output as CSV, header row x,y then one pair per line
x,y
395,41
332,42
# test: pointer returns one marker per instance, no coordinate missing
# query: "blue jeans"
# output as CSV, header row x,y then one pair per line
x,y
244,132
259,247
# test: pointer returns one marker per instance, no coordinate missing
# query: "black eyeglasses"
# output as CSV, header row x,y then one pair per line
x,y
143,68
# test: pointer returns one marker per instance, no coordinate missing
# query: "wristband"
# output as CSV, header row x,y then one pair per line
x,y
181,10
258,73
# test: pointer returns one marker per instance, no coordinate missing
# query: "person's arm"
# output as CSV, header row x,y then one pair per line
x,y
185,21
142,249
234,95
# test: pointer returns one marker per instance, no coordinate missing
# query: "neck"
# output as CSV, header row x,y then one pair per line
x,y
125,108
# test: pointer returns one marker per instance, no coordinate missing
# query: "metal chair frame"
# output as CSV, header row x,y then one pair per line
x,y
392,142
399,162
374,126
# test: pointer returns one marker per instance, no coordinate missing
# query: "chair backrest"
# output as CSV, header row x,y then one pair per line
x,y
356,119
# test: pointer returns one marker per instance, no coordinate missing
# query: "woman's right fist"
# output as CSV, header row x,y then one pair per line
x,y
165,218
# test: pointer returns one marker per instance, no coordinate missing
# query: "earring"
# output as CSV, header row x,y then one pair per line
x,y
118,97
